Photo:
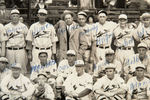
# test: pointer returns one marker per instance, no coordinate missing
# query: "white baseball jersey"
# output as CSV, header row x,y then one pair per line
x,y
16,86
139,90
124,37
110,85
16,34
132,61
143,34
104,33
42,36
77,84
64,69
102,64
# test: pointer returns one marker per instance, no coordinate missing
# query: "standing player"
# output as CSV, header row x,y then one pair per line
x,y
104,34
42,37
111,86
139,86
16,34
88,31
124,39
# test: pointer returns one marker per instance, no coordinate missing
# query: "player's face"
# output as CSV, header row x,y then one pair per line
x,y
3,65
102,18
43,58
109,58
123,22
15,18
146,21
42,17
71,59
81,20
79,70
140,72
16,72
142,52
42,79
110,73
68,19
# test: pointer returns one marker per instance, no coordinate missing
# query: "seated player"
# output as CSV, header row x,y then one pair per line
x,y
111,86
139,86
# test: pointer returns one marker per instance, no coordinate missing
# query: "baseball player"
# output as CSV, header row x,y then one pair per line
x,y
79,85
16,85
123,39
141,57
46,66
142,32
111,86
89,32
43,91
138,86
42,37
3,39
109,59
104,34
67,66
15,48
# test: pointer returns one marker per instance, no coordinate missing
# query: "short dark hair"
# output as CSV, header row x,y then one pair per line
x,y
43,53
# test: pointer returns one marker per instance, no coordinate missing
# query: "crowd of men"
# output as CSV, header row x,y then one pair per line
x,y
75,60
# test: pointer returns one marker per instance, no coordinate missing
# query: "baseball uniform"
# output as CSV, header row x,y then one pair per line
x,y
42,36
14,87
108,85
104,37
77,84
16,44
139,90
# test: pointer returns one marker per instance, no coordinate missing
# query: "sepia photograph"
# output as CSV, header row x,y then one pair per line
x,y
74,49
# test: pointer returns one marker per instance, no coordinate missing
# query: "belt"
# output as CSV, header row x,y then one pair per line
x,y
10,48
43,48
125,48
103,47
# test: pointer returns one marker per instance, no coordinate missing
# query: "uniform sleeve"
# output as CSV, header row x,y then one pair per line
x,y
148,90
29,36
54,37
3,35
98,84
25,30
136,34
89,82
49,94
4,84
130,86
30,88
122,83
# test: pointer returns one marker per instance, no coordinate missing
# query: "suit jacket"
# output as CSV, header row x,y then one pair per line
x,y
5,17
77,40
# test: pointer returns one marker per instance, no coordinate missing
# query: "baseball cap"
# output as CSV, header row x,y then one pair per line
x,y
110,66
140,66
43,74
3,59
109,51
71,52
16,65
82,13
145,15
123,16
102,11
142,45
79,63
43,11
15,11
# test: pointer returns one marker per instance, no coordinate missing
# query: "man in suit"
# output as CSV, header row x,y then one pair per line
x,y
69,36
